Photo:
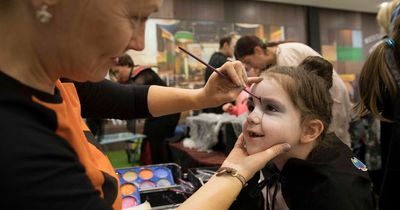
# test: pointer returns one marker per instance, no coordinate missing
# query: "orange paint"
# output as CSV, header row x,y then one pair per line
x,y
146,174
127,189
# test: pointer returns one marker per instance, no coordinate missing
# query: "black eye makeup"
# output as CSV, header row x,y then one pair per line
x,y
250,104
267,105
271,105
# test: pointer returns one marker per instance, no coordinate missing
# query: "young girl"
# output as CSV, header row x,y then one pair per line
x,y
320,171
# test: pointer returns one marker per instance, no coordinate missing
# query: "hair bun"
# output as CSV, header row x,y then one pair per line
x,y
320,66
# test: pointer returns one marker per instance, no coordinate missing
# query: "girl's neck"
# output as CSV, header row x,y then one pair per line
x,y
299,151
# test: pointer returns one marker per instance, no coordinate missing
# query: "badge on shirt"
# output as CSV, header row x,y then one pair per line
x,y
358,164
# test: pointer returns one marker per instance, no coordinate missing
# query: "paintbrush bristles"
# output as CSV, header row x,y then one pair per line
x,y
215,70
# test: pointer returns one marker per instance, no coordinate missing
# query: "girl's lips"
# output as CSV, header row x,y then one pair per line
x,y
255,135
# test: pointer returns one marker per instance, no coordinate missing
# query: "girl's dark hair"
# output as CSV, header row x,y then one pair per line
x,y
126,60
245,45
308,88
376,76
319,66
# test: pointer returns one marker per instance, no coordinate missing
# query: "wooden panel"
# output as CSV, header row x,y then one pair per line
x,y
211,10
239,11
263,12
340,19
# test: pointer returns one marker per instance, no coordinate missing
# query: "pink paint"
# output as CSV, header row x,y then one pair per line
x,y
128,202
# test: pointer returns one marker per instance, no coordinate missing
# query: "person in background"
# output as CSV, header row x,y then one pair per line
x,y
157,129
226,50
46,148
254,53
366,130
379,91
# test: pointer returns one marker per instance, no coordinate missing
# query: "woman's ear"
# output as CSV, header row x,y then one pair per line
x,y
311,131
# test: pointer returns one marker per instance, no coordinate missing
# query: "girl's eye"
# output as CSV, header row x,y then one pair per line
x,y
270,108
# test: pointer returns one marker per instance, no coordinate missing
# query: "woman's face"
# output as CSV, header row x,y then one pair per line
x,y
94,32
273,120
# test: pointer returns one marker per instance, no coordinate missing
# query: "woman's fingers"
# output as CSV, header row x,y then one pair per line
x,y
234,71
252,80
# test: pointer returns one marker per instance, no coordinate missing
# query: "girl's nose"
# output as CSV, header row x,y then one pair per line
x,y
253,118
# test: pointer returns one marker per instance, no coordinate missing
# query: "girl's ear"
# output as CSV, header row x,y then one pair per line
x,y
311,131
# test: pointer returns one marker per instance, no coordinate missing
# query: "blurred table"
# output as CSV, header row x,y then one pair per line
x,y
192,158
133,143
212,137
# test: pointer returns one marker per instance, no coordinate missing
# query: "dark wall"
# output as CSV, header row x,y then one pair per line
x,y
310,25
238,11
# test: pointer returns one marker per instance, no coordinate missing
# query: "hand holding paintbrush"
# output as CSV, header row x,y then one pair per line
x,y
237,76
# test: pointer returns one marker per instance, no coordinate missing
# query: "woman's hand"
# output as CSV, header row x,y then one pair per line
x,y
219,90
247,165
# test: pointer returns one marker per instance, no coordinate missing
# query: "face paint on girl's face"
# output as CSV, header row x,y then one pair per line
x,y
273,119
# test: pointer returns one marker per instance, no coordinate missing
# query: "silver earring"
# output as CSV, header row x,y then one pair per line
x,y
43,15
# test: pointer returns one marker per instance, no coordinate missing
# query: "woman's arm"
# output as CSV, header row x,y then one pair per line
x,y
218,90
220,191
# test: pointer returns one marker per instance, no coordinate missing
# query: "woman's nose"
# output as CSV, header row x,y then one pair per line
x,y
137,39
137,43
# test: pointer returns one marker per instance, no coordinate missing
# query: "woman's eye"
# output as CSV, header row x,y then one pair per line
x,y
139,19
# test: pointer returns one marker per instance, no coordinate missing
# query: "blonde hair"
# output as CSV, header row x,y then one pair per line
x,y
376,78
384,14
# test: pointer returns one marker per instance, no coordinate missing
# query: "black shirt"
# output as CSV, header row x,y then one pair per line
x,y
217,60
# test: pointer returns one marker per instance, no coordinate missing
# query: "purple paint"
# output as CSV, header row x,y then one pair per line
x,y
128,202
147,185
161,172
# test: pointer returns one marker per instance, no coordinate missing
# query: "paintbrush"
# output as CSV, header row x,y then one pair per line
x,y
216,71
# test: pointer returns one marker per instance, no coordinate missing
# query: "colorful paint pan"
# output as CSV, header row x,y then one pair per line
x,y
127,189
161,173
130,176
128,202
146,174
163,183
147,185
136,180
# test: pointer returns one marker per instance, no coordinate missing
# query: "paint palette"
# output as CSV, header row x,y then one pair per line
x,y
130,195
136,180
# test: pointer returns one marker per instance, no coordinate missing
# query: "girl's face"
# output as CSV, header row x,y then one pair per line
x,y
90,34
121,73
273,120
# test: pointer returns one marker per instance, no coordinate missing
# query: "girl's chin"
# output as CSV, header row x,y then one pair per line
x,y
252,151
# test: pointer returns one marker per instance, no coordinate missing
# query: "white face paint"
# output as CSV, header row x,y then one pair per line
x,y
272,120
